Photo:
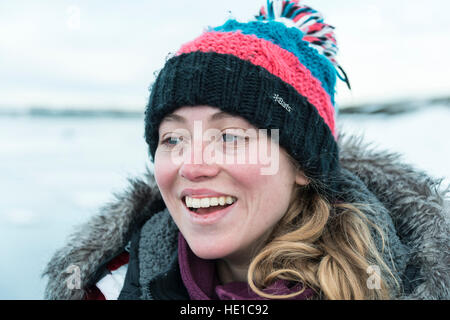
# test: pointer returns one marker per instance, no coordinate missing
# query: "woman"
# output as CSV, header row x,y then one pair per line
x,y
254,194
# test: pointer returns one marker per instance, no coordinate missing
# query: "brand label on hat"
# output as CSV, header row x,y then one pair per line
x,y
280,100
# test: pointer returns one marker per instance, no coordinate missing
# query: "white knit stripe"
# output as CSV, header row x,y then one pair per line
x,y
277,8
302,24
287,22
111,284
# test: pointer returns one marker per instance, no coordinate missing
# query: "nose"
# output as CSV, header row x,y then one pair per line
x,y
198,172
199,166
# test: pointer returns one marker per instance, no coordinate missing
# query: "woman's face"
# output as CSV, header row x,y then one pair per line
x,y
198,149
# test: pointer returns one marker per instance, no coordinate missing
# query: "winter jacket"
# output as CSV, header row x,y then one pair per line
x,y
410,207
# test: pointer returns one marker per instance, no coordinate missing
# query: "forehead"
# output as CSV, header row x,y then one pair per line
x,y
187,115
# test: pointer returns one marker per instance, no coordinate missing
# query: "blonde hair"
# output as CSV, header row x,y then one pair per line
x,y
326,247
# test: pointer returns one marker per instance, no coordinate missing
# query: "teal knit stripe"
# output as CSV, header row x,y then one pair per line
x,y
289,39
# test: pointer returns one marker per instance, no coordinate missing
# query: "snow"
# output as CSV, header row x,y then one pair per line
x,y
57,171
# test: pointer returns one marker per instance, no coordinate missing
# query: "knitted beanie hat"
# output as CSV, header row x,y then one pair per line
x,y
278,72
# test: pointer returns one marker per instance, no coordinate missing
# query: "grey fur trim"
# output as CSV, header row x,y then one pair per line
x,y
418,209
98,240
394,253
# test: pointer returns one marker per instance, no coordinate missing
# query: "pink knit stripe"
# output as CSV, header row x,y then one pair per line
x,y
274,59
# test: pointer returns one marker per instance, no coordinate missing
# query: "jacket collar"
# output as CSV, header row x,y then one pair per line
x,y
408,204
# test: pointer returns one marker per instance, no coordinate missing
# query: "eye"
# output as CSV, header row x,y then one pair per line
x,y
171,141
227,137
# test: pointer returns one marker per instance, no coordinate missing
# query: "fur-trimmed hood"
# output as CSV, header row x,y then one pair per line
x,y
408,205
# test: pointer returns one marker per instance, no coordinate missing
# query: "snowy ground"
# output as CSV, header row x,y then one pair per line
x,y
56,172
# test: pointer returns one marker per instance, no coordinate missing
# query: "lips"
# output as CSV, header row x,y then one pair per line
x,y
209,218
203,192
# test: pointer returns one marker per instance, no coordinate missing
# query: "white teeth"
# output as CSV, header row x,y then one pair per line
x,y
213,201
188,202
196,203
204,203
208,202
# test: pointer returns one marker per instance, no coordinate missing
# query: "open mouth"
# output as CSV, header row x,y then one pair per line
x,y
208,205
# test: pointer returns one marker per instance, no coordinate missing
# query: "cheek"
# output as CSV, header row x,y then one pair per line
x,y
268,193
266,174
267,189
164,172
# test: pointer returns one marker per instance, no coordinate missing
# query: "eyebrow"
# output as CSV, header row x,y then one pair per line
x,y
220,115
173,118
215,117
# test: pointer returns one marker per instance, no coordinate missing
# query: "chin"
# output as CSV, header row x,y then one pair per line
x,y
210,250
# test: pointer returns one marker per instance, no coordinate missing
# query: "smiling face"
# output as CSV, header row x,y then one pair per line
x,y
183,165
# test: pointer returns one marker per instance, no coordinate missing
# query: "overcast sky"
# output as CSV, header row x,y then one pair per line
x,y
102,54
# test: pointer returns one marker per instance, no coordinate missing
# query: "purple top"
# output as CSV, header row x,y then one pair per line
x,y
202,283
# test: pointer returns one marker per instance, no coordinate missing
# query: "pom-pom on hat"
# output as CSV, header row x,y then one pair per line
x,y
278,72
